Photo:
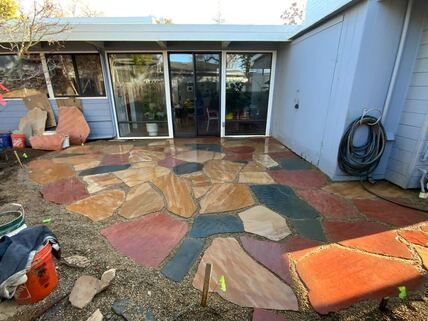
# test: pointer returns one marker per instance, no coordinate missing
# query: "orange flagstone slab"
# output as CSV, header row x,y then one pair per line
x,y
72,123
423,253
390,213
40,163
415,237
337,278
198,156
50,174
255,178
141,199
99,206
226,197
99,182
329,205
264,222
77,160
178,194
112,148
367,236
248,284
221,171
352,190
144,155
252,166
136,176
148,241
199,191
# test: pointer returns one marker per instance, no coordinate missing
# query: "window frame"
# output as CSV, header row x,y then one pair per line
x,y
76,73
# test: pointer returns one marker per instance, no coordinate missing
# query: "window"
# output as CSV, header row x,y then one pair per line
x,y
139,94
78,75
22,76
247,93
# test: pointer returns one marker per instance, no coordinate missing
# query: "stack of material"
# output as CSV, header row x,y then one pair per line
x,y
72,126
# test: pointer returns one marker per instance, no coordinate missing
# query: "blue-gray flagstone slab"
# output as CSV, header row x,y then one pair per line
x,y
209,224
187,168
103,169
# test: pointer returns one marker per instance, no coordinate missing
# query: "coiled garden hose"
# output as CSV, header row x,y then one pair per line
x,y
362,160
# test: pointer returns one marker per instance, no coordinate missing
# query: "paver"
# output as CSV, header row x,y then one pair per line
x,y
141,200
257,287
299,178
187,168
65,191
207,225
226,197
103,169
415,237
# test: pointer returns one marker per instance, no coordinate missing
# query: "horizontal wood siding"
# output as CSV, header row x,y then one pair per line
x,y
97,112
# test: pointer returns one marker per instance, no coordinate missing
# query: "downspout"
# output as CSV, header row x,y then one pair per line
x,y
397,61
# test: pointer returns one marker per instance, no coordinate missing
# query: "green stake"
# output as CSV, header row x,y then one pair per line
x,y
402,292
46,220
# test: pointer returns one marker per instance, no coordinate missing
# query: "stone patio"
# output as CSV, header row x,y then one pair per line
x,y
278,231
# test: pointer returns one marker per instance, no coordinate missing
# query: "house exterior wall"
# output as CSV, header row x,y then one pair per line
x,y
335,71
409,118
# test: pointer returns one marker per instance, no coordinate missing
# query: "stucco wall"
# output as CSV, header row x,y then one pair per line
x,y
335,72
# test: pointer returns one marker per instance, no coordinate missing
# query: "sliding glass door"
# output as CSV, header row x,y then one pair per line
x,y
247,93
139,94
195,93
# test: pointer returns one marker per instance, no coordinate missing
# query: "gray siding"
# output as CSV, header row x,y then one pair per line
x,y
411,137
97,112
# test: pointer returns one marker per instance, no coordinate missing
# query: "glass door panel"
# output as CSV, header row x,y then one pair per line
x,y
207,85
139,94
182,78
247,93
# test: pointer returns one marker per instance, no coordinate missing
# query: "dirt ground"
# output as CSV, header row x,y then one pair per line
x,y
147,288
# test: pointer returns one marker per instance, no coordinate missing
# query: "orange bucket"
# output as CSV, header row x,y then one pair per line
x,y
42,278
18,140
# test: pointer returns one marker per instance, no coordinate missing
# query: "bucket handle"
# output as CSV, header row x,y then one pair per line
x,y
20,209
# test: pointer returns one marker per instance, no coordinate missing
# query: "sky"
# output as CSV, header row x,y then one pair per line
x,y
195,11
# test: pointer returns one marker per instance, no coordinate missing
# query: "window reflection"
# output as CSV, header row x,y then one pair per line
x,y
247,92
139,93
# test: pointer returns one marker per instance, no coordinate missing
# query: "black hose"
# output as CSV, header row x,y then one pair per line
x,y
363,159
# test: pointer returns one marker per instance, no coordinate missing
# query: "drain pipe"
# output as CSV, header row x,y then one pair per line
x,y
397,61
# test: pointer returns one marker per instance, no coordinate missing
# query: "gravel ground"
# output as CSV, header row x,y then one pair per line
x,y
146,288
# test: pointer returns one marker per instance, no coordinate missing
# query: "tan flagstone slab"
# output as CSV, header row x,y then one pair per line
x,y
178,194
99,206
112,148
147,164
264,222
264,160
141,200
136,176
77,160
51,174
87,165
198,156
143,155
256,178
226,197
221,171
351,190
36,118
96,183
81,149
199,191
200,180
423,253
248,284
252,166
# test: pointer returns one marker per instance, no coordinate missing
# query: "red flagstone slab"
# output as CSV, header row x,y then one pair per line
x,y
390,213
65,191
47,142
286,154
170,162
265,315
299,178
329,205
147,241
298,246
240,149
415,237
371,237
337,278
71,122
115,159
238,157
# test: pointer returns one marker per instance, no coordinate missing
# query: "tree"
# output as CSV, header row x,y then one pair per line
x,y
30,27
8,9
80,8
295,12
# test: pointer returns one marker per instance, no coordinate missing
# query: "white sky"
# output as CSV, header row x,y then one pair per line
x,y
194,11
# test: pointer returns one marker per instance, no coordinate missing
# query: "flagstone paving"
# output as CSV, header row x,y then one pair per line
x,y
257,287
294,227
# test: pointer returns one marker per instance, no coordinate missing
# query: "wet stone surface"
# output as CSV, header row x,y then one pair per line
x,y
207,225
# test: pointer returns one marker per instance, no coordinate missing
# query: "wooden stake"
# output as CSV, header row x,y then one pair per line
x,y
17,157
206,285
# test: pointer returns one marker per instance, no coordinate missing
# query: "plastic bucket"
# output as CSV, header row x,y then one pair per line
x,y
42,278
13,221
5,141
18,140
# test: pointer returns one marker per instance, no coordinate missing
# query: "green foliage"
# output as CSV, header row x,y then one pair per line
x,y
8,9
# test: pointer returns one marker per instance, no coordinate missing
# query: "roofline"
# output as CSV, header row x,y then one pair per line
x,y
324,19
